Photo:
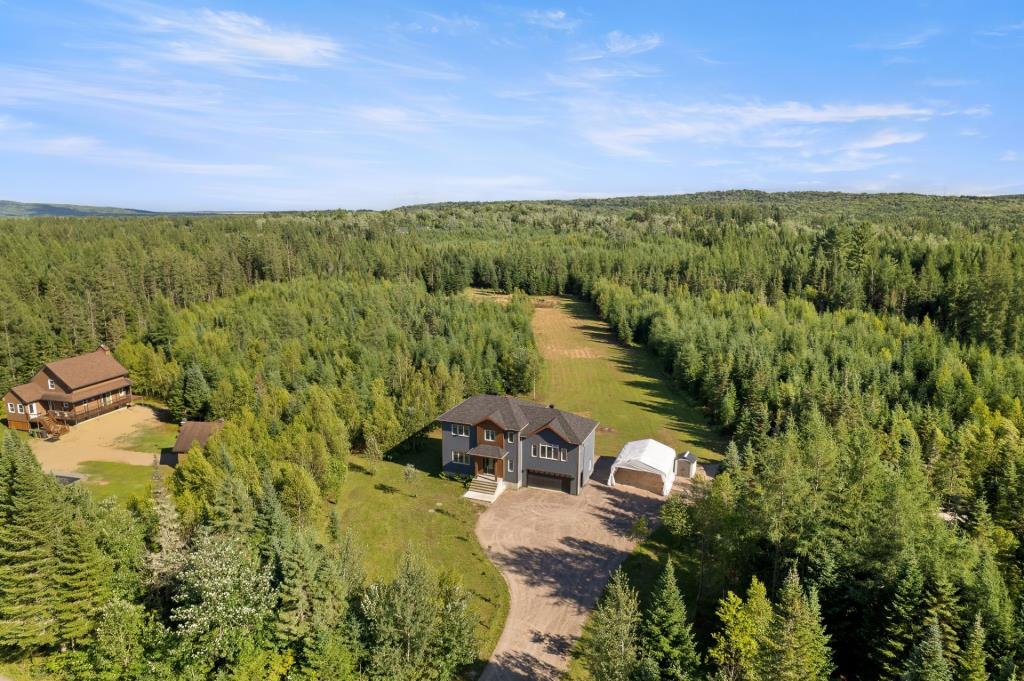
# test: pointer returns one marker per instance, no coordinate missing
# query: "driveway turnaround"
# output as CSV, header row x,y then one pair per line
x,y
556,551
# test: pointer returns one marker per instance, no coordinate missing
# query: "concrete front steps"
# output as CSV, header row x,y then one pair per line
x,y
485,489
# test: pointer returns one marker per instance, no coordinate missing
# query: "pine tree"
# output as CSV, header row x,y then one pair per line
x,y
298,569
82,581
927,662
667,638
798,648
741,646
609,645
191,398
27,562
165,562
943,607
972,667
902,621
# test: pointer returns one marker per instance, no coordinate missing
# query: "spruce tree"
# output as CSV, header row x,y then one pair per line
x,y
943,607
167,557
298,570
609,644
28,601
742,645
798,647
972,667
927,662
902,621
82,581
666,636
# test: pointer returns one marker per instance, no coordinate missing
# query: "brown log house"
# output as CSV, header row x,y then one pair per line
x,y
67,392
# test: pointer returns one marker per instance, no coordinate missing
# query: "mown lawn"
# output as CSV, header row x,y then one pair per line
x,y
588,371
110,479
149,438
389,515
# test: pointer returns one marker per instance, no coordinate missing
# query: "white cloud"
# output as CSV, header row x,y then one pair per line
x,y
625,44
948,82
555,19
632,128
92,150
1010,157
228,40
454,24
1001,31
885,138
431,113
905,43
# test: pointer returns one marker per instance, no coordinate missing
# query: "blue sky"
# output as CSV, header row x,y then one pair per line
x,y
293,105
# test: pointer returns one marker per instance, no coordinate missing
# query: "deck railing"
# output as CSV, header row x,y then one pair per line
x,y
72,416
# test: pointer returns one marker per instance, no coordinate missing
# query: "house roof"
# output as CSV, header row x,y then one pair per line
x,y
511,413
88,369
197,432
30,392
488,452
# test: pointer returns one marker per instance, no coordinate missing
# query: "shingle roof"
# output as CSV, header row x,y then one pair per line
x,y
30,392
488,451
197,432
511,413
84,370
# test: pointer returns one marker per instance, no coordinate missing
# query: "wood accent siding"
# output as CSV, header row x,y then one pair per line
x,y
499,434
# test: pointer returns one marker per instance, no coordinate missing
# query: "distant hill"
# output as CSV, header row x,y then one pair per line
x,y
18,209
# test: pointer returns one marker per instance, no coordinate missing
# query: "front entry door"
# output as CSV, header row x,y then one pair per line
x,y
488,467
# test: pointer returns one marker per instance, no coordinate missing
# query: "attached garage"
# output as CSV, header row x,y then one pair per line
x,y
647,464
559,483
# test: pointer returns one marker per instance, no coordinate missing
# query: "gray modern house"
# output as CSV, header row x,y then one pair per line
x,y
504,441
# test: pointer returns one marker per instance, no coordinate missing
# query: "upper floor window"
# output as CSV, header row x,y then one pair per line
x,y
510,436
21,408
10,407
50,384
460,429
547,452
488,434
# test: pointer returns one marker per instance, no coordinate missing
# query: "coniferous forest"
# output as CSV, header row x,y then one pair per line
x,y
864,354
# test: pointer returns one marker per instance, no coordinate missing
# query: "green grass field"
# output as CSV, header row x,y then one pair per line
x,y
588,371
124,481
151,439
388,515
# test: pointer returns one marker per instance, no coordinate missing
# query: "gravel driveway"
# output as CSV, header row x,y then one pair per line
x,y
556,552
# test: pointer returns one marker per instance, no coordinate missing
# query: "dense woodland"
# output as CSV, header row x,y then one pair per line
x,y
865,353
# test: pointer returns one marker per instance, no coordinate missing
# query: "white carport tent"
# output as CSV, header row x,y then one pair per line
x,y
647,456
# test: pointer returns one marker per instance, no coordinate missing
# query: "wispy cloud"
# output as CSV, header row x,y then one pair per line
x,y
948,82
621,43
908,42
555,19
885,138
1010,157
90,149
631,129
227,40
432,113
1001,31
454,24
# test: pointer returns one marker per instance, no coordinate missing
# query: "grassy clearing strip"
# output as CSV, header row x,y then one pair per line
x,y
388,514
588,371
151,439
122,480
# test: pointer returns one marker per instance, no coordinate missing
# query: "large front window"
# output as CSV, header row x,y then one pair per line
x,y
460,429
550,452
460,457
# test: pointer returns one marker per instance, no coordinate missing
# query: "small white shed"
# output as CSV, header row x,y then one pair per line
x,y
640,461
686,465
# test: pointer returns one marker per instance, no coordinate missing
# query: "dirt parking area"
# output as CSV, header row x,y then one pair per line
x,y
556,551
94,440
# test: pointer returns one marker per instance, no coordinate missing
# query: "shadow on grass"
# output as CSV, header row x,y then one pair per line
x,y
679,408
